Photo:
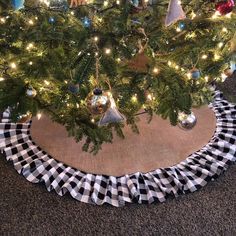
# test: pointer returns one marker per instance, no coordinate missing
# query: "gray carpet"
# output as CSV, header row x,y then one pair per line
x,y
28,209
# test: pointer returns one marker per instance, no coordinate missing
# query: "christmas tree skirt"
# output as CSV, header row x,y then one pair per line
x,y
129,170
158,145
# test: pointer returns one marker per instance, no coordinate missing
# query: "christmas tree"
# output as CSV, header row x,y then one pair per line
x,y
93,66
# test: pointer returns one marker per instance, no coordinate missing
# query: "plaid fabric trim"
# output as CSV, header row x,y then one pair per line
x,y
155,186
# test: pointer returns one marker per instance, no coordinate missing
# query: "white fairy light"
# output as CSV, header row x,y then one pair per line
x,y
39,115
13,65
107,51
2,79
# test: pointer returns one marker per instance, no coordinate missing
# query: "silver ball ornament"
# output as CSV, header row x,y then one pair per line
x,y
31,92
98,102
187,121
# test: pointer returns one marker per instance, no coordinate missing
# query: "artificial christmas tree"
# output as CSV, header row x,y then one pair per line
x,y
49,49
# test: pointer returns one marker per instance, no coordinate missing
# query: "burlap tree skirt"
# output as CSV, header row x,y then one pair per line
x,y
158,145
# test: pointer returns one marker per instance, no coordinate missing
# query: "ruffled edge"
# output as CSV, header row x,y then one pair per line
x,y
155,186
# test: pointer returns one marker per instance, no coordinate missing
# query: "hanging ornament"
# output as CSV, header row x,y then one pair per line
x,y
181,25
112,115
187,121
58,5
31,92
24,118
175,12
51,20
73,88
195,73
225,7
18,4
137,5
86,22
98,102
76,3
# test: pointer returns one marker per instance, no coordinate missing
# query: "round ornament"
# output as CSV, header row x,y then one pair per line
x,y
31,92
73,88
86,22
51,20
98,102
195,73
187,121
137,5
181,25
225,7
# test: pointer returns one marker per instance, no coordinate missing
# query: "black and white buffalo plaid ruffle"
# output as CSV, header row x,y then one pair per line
x,y
155,186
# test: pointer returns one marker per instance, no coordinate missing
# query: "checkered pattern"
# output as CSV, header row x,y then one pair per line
x,y
188,176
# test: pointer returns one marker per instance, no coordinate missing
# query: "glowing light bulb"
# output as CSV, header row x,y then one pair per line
x,y
206,78
155,70
107,51
105,3
216,57
92,120
30,63
13,65
39,115
31,22
169,63
46,82
134,98
2,79
95,38
118,2
204,56
2,20
224,30
118,60
149,97
220,45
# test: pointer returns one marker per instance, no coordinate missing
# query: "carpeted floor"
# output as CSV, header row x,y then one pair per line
x,y
28,209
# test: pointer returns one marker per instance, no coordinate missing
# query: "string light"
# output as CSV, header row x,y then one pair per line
x,y
204,57
29,46
149,97
31,22
220,45
216,57
13,65
118,2
92,120
39,115
193,15
155,70
30,63
118,60
95,38
2,20
2,79
224,30
46,82
108,51
105,3
134,98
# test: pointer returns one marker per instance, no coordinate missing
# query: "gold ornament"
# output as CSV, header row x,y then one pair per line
x,y
24,118
98,102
